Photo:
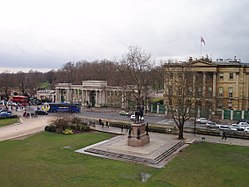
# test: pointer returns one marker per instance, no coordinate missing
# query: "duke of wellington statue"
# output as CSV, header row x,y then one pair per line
x,y
138,133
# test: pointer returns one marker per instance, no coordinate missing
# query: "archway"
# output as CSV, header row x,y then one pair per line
x,y
93,98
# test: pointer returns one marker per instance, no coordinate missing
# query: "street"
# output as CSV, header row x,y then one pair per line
x,y
148,117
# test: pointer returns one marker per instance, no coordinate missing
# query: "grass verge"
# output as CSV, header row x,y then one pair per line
x,y
48,159
9,121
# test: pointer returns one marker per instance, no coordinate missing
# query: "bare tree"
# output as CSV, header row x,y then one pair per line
x,y
180,93
134,68
21,82
6,82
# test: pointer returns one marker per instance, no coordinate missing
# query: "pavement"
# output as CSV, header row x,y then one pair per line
x,y
25,127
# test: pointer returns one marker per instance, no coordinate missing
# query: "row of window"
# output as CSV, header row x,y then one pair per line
x,y
230,76
221,92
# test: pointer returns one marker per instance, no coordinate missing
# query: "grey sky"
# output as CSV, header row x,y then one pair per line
x,y
45,34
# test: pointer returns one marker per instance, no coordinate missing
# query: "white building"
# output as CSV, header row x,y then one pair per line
x,y
91,93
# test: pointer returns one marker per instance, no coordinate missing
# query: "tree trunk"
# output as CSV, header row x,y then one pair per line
x,y
180,135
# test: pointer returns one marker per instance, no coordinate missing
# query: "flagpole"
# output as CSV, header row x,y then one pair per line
x,y
201,48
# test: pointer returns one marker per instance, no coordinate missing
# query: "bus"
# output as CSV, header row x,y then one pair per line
x,y
19,99
64,107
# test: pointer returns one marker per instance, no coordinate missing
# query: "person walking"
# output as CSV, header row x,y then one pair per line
x,y
224,135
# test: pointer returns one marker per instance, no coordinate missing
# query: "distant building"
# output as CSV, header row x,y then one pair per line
x,y
91,93
224,84
48,95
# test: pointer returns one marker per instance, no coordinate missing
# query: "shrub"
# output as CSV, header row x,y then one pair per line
x,y
50,128
67,131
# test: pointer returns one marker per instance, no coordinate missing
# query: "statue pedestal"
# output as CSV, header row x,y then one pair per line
x,y
137,135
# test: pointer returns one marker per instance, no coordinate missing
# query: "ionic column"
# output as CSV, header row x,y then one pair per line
x,y
96,98
247,93
194,82
204,84
237,85
214,84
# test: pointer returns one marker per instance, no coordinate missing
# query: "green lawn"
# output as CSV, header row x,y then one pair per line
x,y
48,159
9,121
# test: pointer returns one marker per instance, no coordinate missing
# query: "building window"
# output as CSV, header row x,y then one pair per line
x,y
231,76
220,94
210,91
199,92
230,92
220,105
221,76
190,92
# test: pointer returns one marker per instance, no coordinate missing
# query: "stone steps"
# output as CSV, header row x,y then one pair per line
x,y
122,156
169,151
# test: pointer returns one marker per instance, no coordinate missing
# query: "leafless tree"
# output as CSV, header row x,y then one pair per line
x,y
181,97
6,83
134,69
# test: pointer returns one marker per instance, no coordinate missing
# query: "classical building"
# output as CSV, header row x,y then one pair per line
x,y
91,93
224,84
48,95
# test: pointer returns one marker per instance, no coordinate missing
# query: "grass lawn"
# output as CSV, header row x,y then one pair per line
x,y
48,159
9,121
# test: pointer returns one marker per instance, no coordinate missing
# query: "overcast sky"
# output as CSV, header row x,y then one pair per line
x,y
45,34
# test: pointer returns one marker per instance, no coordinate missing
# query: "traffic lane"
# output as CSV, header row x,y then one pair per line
x,y
155,119
116,116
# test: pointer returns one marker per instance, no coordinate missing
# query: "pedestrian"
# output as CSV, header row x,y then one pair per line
x,y
224,135
107,124
122,128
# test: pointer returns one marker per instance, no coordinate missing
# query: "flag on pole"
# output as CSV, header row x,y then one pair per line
x,y
203,41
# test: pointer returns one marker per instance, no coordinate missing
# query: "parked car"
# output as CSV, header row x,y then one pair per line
x,y
242,120
5,114
5,110
224,127
246,129
201,120
41,112
233,127
243,123
211,124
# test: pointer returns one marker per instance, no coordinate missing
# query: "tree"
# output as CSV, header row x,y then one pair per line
x,y
21,82
6,82
181,95
134,68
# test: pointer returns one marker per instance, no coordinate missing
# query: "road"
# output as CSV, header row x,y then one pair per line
x,y
149,118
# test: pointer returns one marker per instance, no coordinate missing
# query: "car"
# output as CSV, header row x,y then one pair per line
x,y
246,129
243,123
211,124
124,113
133,118
5,110
242,120
41,112
233,127
224,127
201,120
5,114
241,127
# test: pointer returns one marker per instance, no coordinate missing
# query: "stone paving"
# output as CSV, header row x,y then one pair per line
x,y
153,154
161,145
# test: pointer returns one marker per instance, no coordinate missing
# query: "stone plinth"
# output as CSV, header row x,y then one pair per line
x,y
137,135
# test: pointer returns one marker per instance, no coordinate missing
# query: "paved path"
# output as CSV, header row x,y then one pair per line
x,y
27,126
189,137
